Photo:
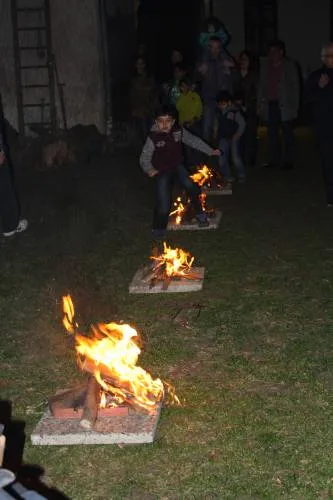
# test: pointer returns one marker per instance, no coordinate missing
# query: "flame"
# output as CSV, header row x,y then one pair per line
x,y
111,353
202,176
179,210
203,201
176,261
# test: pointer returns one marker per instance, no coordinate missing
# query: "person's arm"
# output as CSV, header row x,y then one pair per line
x,y
239,119
197,107
295,85
147,156
312,89
196,143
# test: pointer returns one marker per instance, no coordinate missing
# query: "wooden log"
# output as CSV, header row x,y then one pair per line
x,y
91,403
71,398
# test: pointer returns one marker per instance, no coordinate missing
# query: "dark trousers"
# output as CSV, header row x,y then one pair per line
x,y
249,142
274,124
164,184
326,153
9,206
192,156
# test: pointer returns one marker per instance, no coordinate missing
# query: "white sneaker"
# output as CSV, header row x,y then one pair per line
x,y
22,226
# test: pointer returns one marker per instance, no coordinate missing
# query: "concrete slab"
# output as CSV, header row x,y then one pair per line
x,y
141,283
216,191
193,225
135,428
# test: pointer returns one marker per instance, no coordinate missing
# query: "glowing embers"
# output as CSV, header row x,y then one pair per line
x,y
171,270
211,181
183,217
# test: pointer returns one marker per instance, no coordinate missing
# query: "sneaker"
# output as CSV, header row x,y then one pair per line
x,y
241,180
270,165
158,234
21,227
202,220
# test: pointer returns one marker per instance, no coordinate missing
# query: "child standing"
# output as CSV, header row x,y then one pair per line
x,y
231,126
162,158
171,90
189,105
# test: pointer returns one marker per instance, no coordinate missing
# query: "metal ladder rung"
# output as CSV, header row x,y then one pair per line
x,y
41,105
30,9
36,86
35,47
40,66
32,28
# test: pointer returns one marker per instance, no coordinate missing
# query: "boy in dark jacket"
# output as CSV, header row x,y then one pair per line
x,y
162,158
231,126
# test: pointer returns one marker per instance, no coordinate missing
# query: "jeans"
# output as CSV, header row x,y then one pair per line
x,y
232,146
9,206
249,139
164,185
209,113
192,156
274,124
326,152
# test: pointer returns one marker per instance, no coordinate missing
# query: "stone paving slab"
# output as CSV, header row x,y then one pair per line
x,y
214,223
217,191
135,428
141,283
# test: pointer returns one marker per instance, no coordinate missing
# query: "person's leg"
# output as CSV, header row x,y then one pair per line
x,y
274,122
237,159
224,163
288,137
208,120
250,139
163,202
326,151
9,206
193,191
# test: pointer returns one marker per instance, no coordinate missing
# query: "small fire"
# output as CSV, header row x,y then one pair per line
x,y
179,210
203,201
175,261
202,176
111,354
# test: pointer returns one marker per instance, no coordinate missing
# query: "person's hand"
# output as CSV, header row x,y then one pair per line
x,y
151,173
203,68
323,80
2,158
216,152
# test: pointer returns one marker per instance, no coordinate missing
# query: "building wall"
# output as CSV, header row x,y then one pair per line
x,y
304,28
303,25
231,13
76,45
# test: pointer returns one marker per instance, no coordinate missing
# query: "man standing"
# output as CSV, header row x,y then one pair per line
x,y
215,75
319,93
278,101
9,206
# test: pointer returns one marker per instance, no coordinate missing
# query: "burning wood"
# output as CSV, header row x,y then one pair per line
x,y
207,178
110,356
184,212
172,263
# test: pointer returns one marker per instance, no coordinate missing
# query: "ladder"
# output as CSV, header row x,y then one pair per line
x,y
34,66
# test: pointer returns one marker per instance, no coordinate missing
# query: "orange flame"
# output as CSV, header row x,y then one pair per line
x,y
179,210
176,261
111,354
202,176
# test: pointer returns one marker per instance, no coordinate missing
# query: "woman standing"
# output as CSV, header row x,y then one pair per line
x,y
246,85
144,98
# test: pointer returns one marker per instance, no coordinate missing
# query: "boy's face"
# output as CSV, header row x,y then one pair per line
x,y
178,74
184,88
165,123
223,105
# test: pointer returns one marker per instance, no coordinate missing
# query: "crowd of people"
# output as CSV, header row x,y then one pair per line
x,y
213,106
217,104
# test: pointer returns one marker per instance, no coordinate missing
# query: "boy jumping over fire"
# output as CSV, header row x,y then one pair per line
x,y
162,158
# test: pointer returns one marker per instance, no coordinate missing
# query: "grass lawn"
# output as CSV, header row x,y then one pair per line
x,y
254,370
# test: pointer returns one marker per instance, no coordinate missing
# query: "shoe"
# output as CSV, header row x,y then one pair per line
x,y
21,227
158,234
241,180
202,220
269,165
287,166
329,205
